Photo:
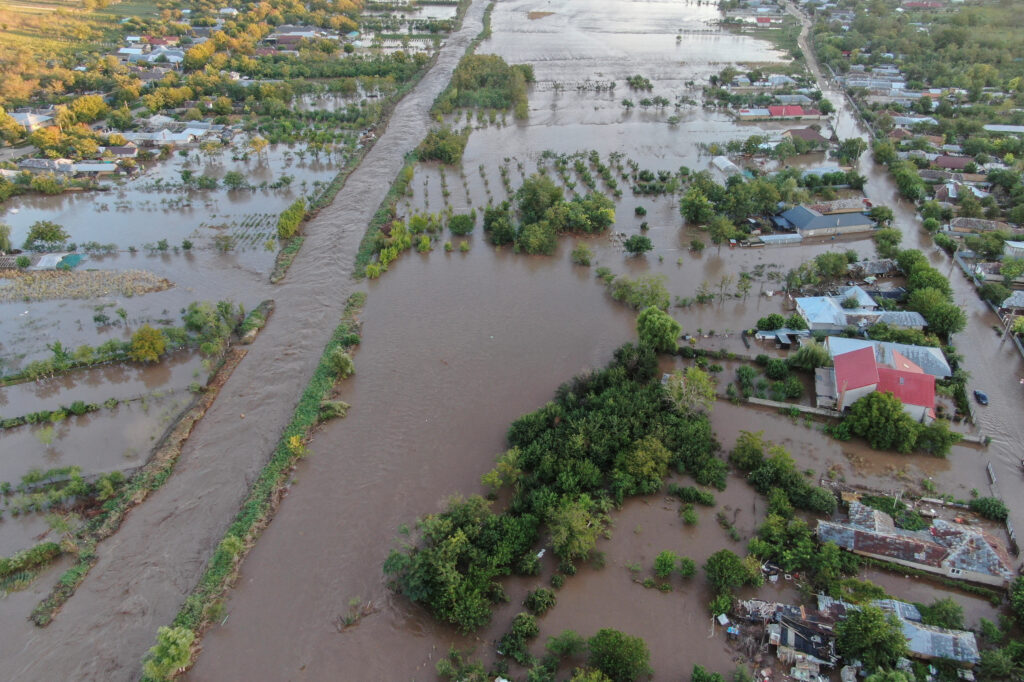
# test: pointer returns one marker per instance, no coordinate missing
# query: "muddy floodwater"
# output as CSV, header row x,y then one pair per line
x,y
455,346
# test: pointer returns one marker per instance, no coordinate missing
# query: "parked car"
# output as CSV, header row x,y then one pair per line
x,y
981,397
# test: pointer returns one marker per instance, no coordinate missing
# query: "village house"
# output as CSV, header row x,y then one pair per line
x,y
856,374
977,225
807,135
948,549
952,192
810,223
1013,304
954,163
42,166
30,121
928,358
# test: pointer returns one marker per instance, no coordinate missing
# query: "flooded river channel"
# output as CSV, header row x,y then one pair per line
x,y
454,347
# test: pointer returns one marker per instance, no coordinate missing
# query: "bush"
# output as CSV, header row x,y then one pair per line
x,y
22,262
341,364
687,567
462,224
444,145
291,218
582,255
990,507
619,656
172,651
638,244
776,369
539,601
665,563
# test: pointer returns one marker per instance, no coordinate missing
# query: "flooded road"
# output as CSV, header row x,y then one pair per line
x,y
995,366
147,568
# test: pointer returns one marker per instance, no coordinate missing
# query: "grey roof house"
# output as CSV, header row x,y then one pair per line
x,y
811,223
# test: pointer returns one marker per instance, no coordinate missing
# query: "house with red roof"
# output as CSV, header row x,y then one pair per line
x,y
858,373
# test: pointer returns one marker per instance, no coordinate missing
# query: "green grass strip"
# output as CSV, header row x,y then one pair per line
x,y
370,243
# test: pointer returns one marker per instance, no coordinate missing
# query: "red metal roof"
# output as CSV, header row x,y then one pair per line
x,y
953,162
855,369
910,387
786,110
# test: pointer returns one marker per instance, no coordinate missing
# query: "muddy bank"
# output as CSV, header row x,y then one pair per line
x,y
145,570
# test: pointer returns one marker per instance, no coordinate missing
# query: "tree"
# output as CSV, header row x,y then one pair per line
x,y
147,344
888,241
44,234
640,469
5,238
871,636
850,149
638,244
721,230
771,322
258,146
621,657
585,674
575,526
943,318
889,675
234,180
692,390
882,215
1017,599
658,330
537,194
879,418
810,356
831,265
172,651
695,207
462,223
726,571
699,674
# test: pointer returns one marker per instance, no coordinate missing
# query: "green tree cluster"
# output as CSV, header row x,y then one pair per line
x,y
606,435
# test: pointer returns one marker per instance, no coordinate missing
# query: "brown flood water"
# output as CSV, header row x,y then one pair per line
x,y
455,346
454,350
